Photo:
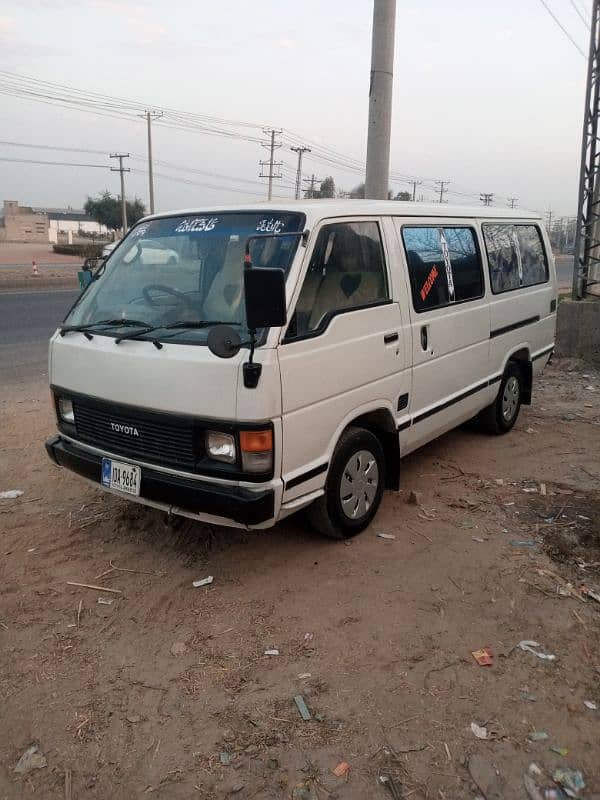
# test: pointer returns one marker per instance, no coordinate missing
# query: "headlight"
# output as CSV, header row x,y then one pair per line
x,y
65,410
257,450
220,446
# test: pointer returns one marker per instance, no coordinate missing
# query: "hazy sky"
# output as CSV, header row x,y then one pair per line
x,y
487,95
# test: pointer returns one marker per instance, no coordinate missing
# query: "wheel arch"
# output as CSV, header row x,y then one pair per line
x,y
381,423
522,357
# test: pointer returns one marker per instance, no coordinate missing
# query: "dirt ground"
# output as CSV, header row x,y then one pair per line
x,y
55,271
158,689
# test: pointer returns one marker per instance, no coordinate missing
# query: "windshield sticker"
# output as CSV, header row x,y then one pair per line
x,y
139,231
427,286
270,226
197,224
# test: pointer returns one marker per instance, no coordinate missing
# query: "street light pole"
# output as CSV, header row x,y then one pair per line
x,y
380,99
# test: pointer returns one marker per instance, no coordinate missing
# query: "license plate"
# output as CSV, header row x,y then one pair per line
x,y
123,477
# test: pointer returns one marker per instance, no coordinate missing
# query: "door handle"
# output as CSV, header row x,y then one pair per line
x,y
390,337
424,337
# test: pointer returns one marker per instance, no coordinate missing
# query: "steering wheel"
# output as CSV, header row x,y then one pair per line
x,y
159,287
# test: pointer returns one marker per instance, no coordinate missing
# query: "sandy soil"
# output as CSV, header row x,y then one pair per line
x,y
55,271
148,695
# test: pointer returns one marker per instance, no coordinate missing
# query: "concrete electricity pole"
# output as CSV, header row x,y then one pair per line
x,y
300,150
380,99
272,145
122,170
512,201
414,185
486,198
149,116
442,185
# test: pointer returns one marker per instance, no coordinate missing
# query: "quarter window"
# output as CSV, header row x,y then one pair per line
x,y
533,257
443,264
346,271
516,256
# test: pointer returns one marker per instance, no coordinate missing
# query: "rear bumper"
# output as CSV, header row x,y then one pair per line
x,y
243,506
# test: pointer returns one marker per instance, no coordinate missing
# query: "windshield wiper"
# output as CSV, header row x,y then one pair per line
x,y
176,327
104,322
198,323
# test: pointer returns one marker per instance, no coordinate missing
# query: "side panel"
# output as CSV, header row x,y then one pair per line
x,y
329,380
356,365
523,319
450,373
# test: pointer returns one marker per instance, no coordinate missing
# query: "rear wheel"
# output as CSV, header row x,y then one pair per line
x,y
354,486
500,416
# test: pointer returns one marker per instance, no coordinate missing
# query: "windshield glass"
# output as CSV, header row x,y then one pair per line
x,y
185,269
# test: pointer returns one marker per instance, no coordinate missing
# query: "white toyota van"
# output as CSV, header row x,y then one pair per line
x,y
288,356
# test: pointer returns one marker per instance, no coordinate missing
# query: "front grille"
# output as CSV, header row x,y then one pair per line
x,y
149,436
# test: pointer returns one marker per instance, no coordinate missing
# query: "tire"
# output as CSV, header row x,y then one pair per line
x,y
500,416
359,459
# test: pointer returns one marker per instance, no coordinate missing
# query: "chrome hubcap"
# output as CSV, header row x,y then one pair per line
x,y
358,488
510,398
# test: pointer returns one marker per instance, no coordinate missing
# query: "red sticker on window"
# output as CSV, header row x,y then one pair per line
x,y
429,282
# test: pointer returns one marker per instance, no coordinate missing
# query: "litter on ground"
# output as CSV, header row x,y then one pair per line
x,y
528,646
203,582
10,494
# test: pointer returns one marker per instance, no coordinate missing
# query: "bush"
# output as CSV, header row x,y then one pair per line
x,y
83,250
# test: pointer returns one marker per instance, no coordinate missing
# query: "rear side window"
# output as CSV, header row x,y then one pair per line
x,y
444,265
533,257
516,256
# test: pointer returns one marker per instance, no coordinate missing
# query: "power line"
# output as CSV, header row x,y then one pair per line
x,y
562,27
580,14
52,163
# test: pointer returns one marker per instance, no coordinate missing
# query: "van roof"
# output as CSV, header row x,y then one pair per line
x,y
344,208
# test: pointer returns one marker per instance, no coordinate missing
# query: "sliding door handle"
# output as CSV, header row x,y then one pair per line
x,y
424,337
389,338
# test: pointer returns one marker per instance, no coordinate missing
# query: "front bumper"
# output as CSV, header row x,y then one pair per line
x,y
243,506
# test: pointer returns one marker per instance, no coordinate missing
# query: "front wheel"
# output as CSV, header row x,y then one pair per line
x,y
500,416
354,486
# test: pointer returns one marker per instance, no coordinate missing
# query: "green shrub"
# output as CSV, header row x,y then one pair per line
x,y
83,250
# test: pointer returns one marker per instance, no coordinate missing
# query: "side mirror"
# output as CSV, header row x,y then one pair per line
x,y
264,290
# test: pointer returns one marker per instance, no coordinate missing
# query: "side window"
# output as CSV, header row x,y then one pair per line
x,y
467,272
443,264
533,257
426,267
503,257
346,271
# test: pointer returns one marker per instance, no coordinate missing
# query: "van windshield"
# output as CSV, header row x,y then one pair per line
x,y
184,269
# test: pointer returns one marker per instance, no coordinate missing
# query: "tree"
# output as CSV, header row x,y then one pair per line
x,y
358,193
327,187
106,210
403,196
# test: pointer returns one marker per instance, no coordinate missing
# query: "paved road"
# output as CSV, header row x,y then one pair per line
x,y
27,320
564,270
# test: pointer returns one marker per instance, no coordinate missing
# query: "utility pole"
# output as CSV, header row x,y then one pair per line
x,y
587,233
122,170
486,198
300,150
312,180
549,222
512,201
414,185
380,100
442,185
272,145
149,116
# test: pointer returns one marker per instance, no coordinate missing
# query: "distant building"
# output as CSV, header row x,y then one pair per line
x,y
64,220
22,223
43,225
